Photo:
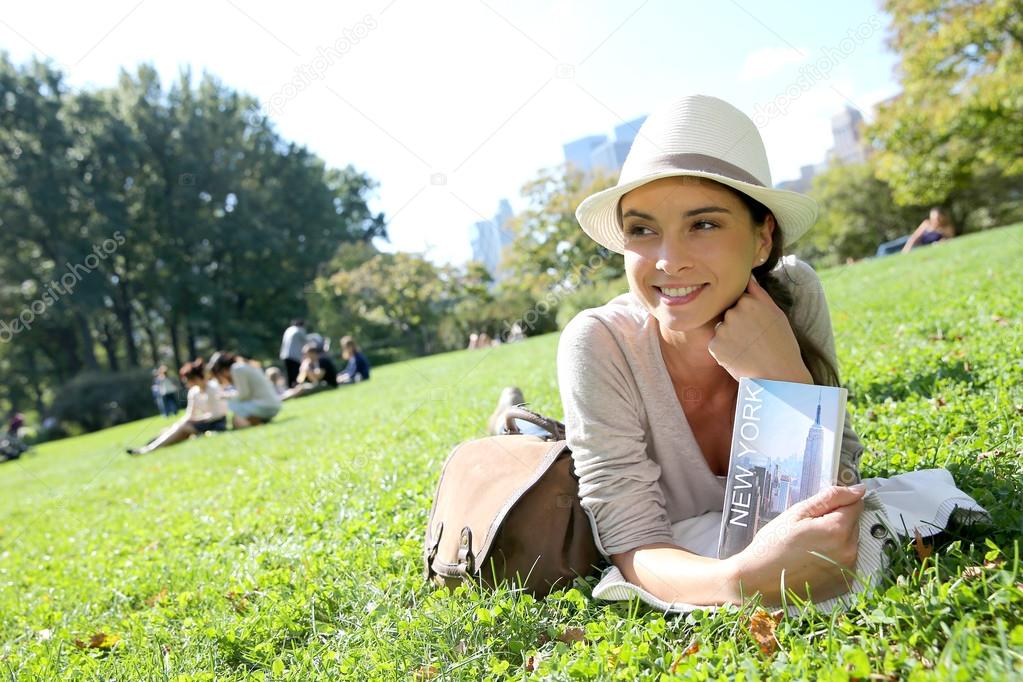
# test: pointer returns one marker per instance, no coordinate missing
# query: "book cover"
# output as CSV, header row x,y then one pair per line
x,y
786,444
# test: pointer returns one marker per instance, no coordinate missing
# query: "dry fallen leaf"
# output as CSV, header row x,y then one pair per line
x,y
238,601
427,672
922,551
572,635
999,320
533,662
693,648
100,640
762,626
158,598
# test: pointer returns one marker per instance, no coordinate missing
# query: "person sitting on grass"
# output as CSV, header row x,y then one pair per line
x,y
318,373
206,411
935,227
357,367
277,378
255,400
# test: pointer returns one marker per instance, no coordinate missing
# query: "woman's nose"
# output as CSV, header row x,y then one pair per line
x,y
672,258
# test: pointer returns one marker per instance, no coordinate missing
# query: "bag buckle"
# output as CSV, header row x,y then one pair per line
x,y
432,543
466,560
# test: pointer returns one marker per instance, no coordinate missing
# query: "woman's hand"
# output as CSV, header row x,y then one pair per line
x,y
756,340
827,524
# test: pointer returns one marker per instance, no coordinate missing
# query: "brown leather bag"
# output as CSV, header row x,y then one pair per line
x,y
507,508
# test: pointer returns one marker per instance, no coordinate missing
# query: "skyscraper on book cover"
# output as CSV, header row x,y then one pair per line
x,y
813,454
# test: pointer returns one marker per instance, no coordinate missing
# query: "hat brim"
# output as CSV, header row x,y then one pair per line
x,y
795,213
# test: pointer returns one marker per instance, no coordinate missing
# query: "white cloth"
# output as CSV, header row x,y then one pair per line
x,y
922,501
207,405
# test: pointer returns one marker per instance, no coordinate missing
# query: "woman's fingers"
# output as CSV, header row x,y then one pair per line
x,y
828,500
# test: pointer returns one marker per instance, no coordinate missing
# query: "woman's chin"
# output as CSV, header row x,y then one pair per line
x,y
674,322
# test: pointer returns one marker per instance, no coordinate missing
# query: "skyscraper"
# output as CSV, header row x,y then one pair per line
x,y
490,237
598,151
810,478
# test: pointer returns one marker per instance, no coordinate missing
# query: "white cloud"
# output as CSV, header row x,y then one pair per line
x,y
768,61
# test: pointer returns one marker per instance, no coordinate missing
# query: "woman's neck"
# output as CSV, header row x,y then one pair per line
x,y
688,359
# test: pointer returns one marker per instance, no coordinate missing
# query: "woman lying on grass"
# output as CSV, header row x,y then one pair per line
x,y
206,411
649,381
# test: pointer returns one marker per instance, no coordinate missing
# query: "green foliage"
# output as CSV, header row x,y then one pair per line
x,y
190,223
959,119
857,215
402,295
292,551
96,400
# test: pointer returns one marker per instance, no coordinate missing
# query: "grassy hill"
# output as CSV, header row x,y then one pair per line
x,y
292,551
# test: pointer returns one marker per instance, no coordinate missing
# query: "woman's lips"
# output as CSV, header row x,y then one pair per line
x,y
678,300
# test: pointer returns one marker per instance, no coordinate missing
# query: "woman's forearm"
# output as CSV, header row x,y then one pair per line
x,y
675,575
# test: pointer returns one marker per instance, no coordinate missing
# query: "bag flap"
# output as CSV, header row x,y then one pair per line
x,y
481,481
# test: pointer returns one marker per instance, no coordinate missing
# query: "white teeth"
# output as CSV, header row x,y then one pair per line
x,y
679,292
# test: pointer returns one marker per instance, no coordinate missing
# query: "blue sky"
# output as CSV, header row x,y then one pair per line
x,y
454,105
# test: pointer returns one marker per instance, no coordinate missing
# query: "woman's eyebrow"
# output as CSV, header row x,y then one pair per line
x,y
633,213
705,209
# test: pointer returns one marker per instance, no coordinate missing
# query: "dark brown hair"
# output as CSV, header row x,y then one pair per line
x,y
195,369
821,368
221,362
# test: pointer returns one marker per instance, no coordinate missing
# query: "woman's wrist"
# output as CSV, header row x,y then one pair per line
x,y
732,568
748,581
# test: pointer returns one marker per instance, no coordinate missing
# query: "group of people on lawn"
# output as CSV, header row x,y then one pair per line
x,y
231,383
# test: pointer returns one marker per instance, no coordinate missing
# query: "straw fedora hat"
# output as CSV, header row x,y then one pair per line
x,y
704,137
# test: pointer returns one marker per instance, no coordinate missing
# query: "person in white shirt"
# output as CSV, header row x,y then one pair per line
x,y
291,349
206,411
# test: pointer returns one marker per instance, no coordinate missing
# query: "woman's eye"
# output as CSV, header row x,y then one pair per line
x,y
704,225
638,230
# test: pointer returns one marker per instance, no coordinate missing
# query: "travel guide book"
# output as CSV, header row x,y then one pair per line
x,y
786,443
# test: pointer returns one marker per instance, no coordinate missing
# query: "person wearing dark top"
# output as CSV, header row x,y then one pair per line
x,y
357,367
936,227
318,372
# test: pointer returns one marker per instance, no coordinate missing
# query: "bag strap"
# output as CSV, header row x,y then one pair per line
x,y
552,426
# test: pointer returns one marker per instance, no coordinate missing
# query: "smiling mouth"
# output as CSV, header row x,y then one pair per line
x,y
678,295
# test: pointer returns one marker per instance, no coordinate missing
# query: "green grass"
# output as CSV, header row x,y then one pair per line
x,y
292,551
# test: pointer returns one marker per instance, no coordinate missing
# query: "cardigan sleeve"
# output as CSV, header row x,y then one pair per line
x,y
811,316
618,482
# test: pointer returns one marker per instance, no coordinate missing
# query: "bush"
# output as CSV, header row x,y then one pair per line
x,y
591,296
96,400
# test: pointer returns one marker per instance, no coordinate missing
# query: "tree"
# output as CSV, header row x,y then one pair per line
x,y
191,224
857,213
959,119
391,299
551,257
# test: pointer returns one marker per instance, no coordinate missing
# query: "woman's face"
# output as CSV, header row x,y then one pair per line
x,y
690,246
